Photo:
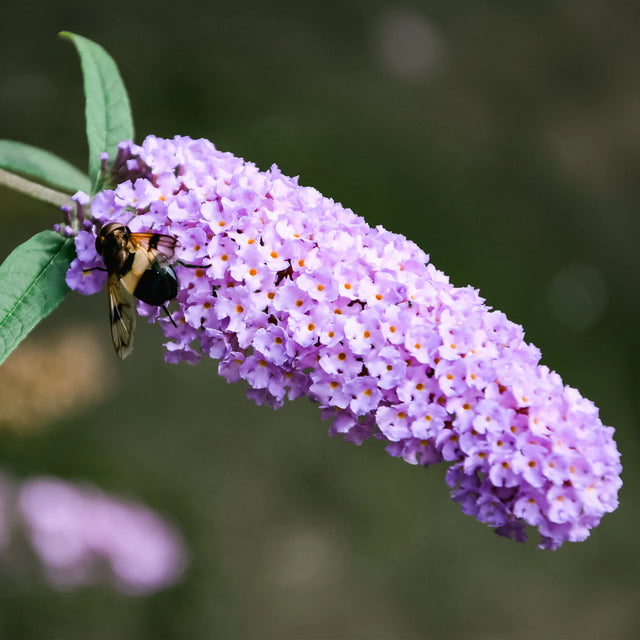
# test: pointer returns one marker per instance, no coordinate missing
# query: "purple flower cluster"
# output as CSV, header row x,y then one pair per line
x,y
299,296
74,530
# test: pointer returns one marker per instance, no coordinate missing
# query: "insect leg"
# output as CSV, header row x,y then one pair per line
x,y
191,266
164,306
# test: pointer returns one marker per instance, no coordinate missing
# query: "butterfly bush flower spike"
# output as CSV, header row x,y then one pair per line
x,y
298,296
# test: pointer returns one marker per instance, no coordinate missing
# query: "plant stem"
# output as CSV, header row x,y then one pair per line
x,y
33,189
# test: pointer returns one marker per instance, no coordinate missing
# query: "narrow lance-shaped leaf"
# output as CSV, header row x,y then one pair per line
x,y
32,285
42,166
107,110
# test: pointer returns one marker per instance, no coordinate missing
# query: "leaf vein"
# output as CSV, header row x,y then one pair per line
x,y
11,311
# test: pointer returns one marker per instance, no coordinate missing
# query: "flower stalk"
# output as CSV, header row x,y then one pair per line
x,y
33,189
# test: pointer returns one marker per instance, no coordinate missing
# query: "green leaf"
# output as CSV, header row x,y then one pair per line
x,y
32,285
42,165
107,108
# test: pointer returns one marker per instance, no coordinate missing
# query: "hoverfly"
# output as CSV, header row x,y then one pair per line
x,y
137,265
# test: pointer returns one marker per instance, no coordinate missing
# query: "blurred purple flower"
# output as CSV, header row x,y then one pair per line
x,y
5,513
298,295
75,530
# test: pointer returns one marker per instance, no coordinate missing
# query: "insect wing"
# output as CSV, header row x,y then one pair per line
x,y
122,316
160,246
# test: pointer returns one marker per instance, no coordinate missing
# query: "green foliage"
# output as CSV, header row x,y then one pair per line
x,y
107,108
32,285
32,278
42,166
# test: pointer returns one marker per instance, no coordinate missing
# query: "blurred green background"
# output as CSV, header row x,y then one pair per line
x,y
502,137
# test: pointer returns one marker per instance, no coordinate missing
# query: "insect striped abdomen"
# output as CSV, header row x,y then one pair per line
x,y
157,285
